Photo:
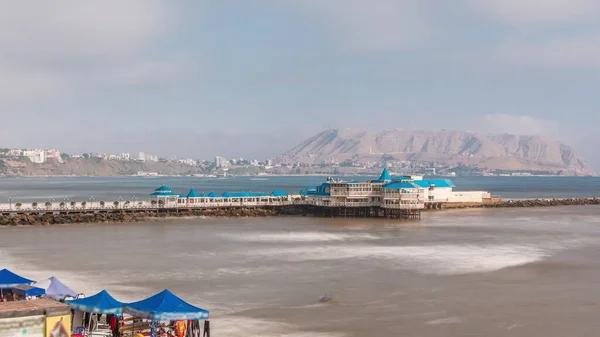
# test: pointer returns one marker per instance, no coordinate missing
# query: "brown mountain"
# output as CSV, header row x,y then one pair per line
x,y
492,152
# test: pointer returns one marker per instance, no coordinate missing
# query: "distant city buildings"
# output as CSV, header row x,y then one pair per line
x,y
221,162
15,152
241,166
147,157
36,156
54,154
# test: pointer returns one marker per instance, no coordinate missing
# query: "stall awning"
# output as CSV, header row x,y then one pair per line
x,y
25,290
8,279
165,306
101,303
55,288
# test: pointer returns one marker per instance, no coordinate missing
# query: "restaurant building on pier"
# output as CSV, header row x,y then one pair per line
x,y
164,195
404,192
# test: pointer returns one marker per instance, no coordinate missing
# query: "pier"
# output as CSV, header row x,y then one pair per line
x,y
402,198
364,212
297,207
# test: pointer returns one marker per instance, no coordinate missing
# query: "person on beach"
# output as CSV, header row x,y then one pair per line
x,y
206,329
114,325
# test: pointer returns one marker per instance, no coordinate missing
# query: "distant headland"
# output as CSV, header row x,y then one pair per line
x,y
339,152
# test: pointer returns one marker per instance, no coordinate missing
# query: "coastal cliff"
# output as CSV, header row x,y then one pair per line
x,y
92,167
490,152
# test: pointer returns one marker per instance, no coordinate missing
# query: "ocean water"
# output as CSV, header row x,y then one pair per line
x,y
128,188
475,272
486,272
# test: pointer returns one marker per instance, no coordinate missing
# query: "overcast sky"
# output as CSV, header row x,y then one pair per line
x,y
253,77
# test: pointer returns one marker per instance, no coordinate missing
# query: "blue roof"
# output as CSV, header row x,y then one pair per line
x,y
8,279
163,191
279,193
165,306
319,190
25,290
244,194
164,194
212,194
101,303
437,183
182,196
193,194
400,185
385,176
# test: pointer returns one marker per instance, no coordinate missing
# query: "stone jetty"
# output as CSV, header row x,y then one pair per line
x,y
525,203
129,216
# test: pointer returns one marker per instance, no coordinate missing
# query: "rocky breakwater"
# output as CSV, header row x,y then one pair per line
x,y
30,219
526,203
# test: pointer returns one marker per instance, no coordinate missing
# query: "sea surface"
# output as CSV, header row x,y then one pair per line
x,y
476,272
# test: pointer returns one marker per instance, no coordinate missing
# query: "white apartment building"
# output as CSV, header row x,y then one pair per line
x,y
36,156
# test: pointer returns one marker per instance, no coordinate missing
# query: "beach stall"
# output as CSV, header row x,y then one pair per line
x,y
8,280
55,288
23,292
166,306
98,304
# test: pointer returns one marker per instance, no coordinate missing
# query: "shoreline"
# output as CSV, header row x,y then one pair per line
x,y
43,219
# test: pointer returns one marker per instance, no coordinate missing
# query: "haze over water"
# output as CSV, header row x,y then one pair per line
x,y
500,272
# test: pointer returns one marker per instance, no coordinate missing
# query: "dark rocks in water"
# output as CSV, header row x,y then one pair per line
x,y
28,219
526,203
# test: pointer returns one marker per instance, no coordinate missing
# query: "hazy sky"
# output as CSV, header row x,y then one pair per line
x,y
253,77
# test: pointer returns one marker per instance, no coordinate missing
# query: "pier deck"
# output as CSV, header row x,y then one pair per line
x,y
295,207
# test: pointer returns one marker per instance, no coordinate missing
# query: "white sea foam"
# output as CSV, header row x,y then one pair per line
x,y
436,259
244,271
298,237
447,320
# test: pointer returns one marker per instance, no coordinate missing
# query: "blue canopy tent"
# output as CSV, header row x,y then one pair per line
x,y
101,303
165,306
55,288
26,290
8,279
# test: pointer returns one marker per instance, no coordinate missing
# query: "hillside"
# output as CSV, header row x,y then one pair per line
x,y
491,152
89,167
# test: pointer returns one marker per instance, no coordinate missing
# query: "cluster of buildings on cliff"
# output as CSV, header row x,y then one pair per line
x,y
38,156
